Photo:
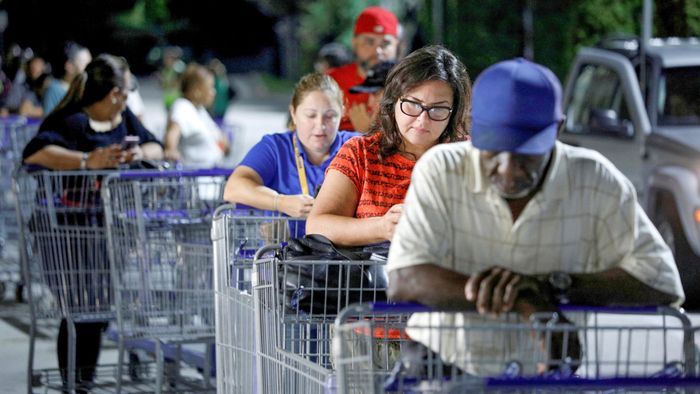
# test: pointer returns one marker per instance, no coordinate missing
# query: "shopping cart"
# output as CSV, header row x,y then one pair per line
x,y
591,350
296,302
237,235
15,132
159,232
64,252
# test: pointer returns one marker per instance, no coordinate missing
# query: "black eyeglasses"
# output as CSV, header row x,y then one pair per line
x,y
412,108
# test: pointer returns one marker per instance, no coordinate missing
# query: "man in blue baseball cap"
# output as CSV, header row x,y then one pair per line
x,y
514,220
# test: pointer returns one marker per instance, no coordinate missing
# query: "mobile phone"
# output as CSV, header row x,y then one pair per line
x,y
129,142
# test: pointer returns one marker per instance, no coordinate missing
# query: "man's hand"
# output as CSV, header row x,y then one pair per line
x,y
497,290
296,206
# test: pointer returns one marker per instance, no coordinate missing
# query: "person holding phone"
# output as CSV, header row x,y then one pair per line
x,y
91,128
87,128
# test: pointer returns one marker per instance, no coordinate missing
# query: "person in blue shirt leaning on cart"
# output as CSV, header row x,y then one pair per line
x,y
283,171
515,221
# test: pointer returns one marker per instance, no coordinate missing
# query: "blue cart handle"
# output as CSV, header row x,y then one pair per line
x,y
411,307
398,307
651,309
176,173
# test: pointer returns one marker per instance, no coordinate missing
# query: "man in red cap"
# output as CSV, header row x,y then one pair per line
x,y
376,39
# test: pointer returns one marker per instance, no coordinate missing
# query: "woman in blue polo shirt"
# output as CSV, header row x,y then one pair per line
x,y
282,172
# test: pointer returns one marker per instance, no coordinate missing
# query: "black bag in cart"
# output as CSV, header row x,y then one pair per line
x,y
316,277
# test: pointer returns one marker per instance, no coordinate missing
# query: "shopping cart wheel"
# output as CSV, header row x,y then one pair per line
x,y
137,370
171,371
36,380
19,293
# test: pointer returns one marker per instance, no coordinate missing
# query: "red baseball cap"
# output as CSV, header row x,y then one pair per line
x,y
377,20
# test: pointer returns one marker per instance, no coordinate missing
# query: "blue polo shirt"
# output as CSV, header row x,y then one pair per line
x,y
273,159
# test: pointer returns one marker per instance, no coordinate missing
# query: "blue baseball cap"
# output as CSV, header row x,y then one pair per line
x,y
516,108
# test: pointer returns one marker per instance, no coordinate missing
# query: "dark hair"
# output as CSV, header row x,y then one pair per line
x,y
37,85
430,63
101,75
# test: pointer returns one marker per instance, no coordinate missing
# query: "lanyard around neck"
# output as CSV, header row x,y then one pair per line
x,y
300,167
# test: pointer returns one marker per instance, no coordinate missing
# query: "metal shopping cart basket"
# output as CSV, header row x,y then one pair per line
x,y
159,231
237,235
64,252
296,302
594,350
15,132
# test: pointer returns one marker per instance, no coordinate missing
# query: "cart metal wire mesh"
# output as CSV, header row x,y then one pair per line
x,y
64,249
159,231
237,235
296,303
594,350
15,132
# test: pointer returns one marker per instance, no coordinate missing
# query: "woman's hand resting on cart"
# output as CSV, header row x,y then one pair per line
x,y
111,156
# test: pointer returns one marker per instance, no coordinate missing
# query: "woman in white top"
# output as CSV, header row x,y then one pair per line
x,y
192,136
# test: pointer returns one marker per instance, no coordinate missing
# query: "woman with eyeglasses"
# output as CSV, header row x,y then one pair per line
x,y
86,131
426,102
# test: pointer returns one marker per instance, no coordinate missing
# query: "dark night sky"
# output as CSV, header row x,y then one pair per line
x,y
216,27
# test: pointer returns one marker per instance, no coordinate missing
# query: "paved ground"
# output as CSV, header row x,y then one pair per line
x,y
253,114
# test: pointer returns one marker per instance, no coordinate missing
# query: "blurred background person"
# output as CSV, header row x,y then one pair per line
x,y
192,136
363,115
172,68
73,60
224,90
85,132
282,172
14,60
23,98
375,39
332,55
5,85
135,101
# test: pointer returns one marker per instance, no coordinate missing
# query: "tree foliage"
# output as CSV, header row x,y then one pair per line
x,y
145,14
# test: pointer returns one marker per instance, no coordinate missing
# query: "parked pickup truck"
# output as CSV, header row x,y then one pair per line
x,y
651,133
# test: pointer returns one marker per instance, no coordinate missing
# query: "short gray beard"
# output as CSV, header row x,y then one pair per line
x,y
514,196
525,192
